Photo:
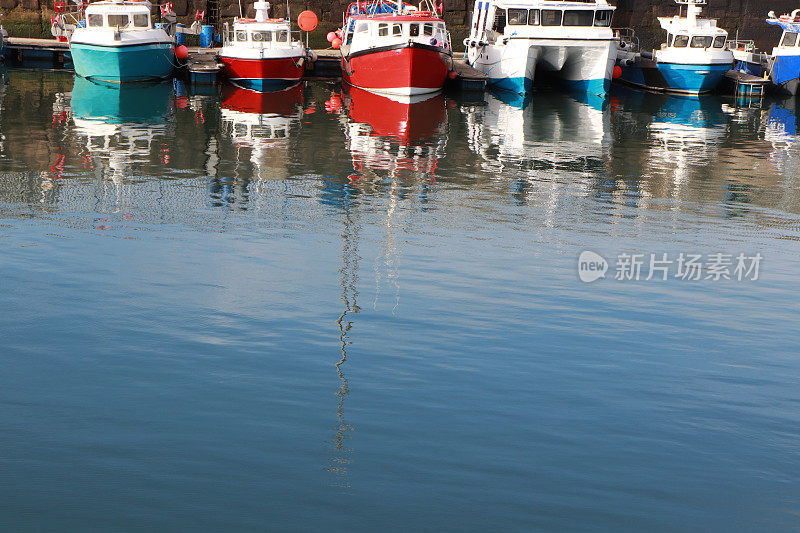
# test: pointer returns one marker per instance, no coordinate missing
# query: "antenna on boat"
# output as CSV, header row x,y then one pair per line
x,y
289,16
241,15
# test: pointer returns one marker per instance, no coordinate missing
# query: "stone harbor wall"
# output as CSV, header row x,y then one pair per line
x,y
31,18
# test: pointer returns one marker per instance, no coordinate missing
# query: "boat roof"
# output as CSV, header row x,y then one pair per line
x,y
118,6
423,16
786,24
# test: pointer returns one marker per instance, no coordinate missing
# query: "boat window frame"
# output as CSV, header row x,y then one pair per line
x,y
709,40
427,28
96,16
500,20
361,27
383,29
264,36
531,13
239,38
542,17
722,43
281,36
521,16
397,29
610,13
124,16
684,39
670,37
139,16
578,13
413,29
787,34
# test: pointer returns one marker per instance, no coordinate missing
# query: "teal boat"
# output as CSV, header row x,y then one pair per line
x,y
117,43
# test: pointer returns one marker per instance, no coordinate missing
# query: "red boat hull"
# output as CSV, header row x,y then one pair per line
x,y
405,69
280,69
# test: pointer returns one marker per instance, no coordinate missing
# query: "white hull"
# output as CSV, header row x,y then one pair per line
x,y
581,63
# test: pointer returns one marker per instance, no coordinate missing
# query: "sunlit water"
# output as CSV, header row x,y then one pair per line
x,y
316,310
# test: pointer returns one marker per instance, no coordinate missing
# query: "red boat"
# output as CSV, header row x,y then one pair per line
x,y
261,52
395,48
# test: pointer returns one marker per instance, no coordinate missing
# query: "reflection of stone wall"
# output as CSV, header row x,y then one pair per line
x,y
32,17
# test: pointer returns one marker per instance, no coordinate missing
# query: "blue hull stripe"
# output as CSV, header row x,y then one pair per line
x,y
692,78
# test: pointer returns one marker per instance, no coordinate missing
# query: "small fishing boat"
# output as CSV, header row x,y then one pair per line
x,y
783,64
395,48
511,40
261,52
118,43
693,59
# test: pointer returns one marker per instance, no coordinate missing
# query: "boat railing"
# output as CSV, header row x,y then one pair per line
x,y
744,45
627,38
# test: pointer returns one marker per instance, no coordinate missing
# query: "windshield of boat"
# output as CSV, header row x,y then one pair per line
x,y
701,41
681,41
789,39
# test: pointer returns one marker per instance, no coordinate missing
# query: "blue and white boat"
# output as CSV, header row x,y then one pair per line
x,y
118,43
783,64
693,59
511,39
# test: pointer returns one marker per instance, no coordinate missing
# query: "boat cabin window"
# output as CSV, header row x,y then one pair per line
x,y
517,17
669,39
281,36
499,21
349,37
95,20
719,41
413,30
789,39
141,21
533,17
681,41
701,41
397,29
241,36
362,27
263,36
551,17
428,29
578,17
383,29
118,20
603,17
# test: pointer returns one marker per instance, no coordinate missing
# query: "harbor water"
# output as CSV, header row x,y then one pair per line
x,y
323,309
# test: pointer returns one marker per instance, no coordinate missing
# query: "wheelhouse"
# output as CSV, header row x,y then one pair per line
x,y
118,16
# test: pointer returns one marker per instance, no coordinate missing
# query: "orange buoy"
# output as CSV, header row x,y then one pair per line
x,y
307,20
617,72
336,43
331,36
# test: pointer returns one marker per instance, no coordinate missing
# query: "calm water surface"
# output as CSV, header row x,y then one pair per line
x,y
319,310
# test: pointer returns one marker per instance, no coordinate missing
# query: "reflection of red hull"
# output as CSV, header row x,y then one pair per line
x,y
403,70
281,68
283,102
406,122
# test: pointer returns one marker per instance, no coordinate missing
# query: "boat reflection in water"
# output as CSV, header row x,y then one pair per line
x,y
393,138
780,130
261,122
559,137
123,124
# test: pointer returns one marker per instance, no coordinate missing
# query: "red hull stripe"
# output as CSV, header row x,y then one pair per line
x,y
284,68
402,67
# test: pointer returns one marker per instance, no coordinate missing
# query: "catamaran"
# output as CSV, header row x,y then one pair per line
x,y
511,39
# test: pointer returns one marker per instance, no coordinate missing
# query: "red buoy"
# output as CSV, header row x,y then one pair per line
x,y
336,43
617,72
307,20
331,36
181,52
452,74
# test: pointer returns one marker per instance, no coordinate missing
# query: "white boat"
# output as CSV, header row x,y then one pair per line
x,y
118,43
692,60
511,39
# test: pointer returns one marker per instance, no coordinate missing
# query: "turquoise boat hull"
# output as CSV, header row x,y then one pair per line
x,y
119,64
